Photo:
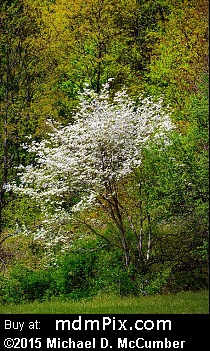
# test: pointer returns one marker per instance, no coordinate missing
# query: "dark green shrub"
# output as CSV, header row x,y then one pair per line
x,y
76,274
113,276
10,291
33,284
25,284
188,276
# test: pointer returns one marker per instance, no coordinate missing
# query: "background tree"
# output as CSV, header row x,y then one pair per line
x,y
180,51
24,71
101,39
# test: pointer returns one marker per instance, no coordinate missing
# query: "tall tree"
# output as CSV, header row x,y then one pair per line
x,y
99,41
180,54
23,70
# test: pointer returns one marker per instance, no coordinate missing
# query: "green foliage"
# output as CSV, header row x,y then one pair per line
x,y
188,276
75,275
179,51
157,281
48,52
112,275
9,291
26,285
87,273
23,68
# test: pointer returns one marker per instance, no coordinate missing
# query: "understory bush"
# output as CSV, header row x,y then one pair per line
x,y
73,277
113,276
85,273
24,284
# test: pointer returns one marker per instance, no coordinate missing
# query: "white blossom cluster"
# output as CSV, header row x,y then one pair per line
x,y
100,148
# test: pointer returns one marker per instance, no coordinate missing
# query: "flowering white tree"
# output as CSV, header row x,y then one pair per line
x,y
88,160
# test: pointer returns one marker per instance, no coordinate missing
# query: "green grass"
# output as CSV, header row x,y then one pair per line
x,y
183,302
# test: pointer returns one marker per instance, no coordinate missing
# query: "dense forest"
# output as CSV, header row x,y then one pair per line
x,y
104,147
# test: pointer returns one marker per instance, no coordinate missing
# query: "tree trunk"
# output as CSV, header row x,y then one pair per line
x,y
4,180
149,243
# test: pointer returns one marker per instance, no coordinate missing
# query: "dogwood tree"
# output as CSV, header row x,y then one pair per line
x,y
88,160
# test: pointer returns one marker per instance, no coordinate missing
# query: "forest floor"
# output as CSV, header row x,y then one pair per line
x,y
180,303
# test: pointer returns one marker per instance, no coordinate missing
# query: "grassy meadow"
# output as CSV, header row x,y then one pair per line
x,y
180,303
